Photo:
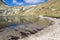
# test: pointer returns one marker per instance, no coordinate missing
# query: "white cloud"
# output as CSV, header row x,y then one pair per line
x,y
20,3
33,1
3,0
15,1
27,1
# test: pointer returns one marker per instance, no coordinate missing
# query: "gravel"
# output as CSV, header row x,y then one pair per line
x,y
50,33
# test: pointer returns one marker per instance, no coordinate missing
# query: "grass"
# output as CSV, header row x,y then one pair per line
x,y
3,25
47,9
44,22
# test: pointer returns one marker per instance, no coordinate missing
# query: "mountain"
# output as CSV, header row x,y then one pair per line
x,y
30,13
50,8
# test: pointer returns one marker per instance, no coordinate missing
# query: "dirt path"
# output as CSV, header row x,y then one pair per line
x,y
50,33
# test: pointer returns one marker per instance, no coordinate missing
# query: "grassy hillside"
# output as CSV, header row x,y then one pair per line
x,y
50,8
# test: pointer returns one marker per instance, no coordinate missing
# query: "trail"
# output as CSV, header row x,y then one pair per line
x,y
50,33
56,21
41,35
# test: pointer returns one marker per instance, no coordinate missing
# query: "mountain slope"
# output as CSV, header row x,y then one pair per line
x,y
50,8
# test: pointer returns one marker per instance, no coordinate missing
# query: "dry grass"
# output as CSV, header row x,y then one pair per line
x,y
3,25
50,8
44,22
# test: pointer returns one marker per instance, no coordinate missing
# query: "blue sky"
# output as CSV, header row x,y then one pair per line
x,y
23,2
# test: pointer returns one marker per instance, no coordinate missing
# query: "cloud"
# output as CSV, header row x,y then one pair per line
x,y
18,3
14,1
3,0
27,1
33,1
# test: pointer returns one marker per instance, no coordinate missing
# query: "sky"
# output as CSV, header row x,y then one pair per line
x,y
23,2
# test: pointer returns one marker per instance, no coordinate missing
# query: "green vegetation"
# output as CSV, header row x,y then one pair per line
x,y
2,20
44,22
3,25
